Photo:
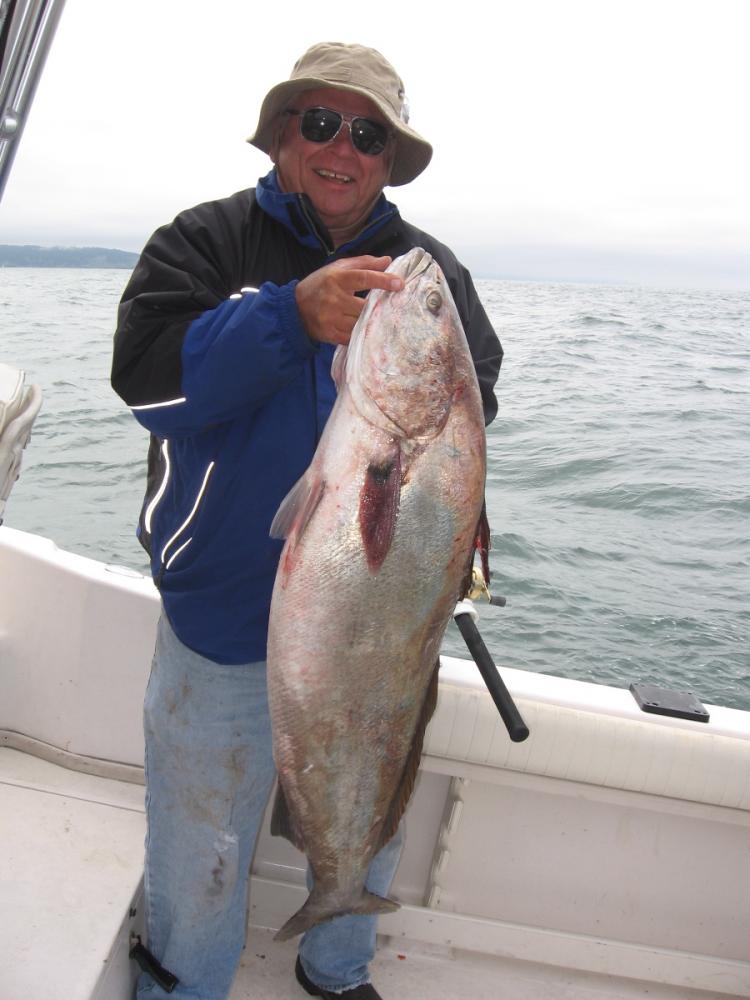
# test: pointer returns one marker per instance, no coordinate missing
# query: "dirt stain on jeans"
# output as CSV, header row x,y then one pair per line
x,y
235,763
175,699
217,875
225,869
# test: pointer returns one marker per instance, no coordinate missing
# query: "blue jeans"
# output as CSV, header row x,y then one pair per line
x,y
209,773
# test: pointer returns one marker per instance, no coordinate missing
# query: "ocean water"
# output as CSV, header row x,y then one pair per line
x,y
618,486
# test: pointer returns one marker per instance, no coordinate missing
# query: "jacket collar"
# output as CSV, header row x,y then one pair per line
x,y
296,213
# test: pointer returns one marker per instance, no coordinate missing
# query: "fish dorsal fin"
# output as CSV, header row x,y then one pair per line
x,y
483,542
409,776
482,545
297,507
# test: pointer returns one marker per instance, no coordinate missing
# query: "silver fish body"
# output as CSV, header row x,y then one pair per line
x,y
379,539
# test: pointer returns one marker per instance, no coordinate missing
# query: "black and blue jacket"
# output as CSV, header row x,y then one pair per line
x,y
211,356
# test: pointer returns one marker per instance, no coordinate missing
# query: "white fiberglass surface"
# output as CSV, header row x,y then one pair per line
x,y
267,970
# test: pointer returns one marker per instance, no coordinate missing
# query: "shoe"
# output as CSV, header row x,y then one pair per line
x,y
365,992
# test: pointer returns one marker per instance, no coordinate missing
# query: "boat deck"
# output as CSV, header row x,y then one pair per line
x,y
400,971
83,835
72,863
607,843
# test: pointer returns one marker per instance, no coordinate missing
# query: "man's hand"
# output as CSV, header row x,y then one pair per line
x,y
326,298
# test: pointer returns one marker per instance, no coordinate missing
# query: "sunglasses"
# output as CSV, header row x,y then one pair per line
x,y
323,125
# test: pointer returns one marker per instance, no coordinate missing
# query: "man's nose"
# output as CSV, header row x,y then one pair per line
x,y
344,135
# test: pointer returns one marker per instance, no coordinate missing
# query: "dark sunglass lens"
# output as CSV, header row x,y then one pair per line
x,y
368,136
320,124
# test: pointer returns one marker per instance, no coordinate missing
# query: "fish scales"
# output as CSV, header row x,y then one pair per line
x,y
379,534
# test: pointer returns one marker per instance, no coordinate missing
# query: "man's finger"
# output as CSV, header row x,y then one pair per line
x,y
360,280
352,270
365,262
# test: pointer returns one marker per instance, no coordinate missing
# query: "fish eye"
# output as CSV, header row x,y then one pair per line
x,y
434,302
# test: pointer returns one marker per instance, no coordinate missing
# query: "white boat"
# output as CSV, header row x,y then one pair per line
x,y
606,856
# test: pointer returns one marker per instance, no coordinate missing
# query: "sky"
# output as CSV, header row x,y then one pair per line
x,y
602,140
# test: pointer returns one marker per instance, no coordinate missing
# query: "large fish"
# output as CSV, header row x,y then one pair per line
x,y
379,533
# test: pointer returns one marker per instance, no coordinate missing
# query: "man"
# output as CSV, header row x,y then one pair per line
x,y
223,350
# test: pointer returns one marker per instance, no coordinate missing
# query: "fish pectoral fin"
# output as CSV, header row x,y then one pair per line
x,y
379,501
282,823
409,776
297,507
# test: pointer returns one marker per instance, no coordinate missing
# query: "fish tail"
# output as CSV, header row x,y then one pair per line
x,y
318,910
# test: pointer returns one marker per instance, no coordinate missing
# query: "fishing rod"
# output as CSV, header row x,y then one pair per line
x,y
465,616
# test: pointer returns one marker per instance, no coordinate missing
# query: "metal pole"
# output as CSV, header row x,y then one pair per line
x,y
28,36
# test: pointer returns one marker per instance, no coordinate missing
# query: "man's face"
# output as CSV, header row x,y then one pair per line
x,y
342,183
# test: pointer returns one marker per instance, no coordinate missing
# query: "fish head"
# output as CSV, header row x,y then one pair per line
x,y
401,365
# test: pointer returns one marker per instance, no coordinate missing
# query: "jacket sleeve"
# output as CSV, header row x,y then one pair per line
x,y
484,344
190,349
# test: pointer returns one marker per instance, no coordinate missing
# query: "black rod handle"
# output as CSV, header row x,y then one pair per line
x,y
517,728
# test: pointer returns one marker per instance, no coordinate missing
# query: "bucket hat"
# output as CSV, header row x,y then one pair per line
x,y
362,71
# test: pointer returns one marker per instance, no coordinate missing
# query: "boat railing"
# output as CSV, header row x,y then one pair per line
x,y
27,28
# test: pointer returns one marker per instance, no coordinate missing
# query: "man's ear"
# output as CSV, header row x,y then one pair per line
x,y
278,131
390,152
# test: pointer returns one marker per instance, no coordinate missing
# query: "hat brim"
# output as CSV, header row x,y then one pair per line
x,y
412,155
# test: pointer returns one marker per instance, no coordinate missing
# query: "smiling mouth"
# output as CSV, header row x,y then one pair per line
x,y
330,175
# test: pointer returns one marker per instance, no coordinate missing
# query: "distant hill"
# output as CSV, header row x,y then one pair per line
x,y
33,256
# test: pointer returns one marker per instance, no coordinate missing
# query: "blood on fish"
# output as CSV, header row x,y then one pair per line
x,y
378,509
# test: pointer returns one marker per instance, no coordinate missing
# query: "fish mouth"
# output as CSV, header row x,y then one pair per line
x,y
412,265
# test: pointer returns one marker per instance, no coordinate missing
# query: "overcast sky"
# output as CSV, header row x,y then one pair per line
x,y
601,139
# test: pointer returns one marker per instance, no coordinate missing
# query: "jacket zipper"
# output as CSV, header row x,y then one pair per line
x,y
332,251
312,223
